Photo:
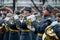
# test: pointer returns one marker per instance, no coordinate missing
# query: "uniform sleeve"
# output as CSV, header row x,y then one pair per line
x,y
23,25
18,22
52,18
36,25
9,24
44,25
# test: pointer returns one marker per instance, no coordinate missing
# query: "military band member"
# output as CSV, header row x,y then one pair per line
x,y
35,27
13,34
2,31
30,19
47,12
55,11
44,22
18,23
25,32
52,32
6,35
17,18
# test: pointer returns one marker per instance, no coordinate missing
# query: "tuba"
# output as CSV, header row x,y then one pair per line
x,y
49,34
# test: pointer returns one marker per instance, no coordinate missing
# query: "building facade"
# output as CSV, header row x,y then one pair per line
x,y
22,3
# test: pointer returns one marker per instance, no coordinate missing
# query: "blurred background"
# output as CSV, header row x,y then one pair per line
x,y
36,4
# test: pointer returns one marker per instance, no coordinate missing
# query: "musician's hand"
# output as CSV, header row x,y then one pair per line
x,y
32,17
54,23
32,29
16,17
7,19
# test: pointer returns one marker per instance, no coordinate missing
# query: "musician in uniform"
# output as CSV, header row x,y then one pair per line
x,y
25,32
2,31
18,23
13,34
55,11
17,15
35,27
52,32
44,22
7,29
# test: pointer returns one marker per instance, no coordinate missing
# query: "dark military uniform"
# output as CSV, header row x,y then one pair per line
x,y
39,29
52,32
17,13
25,32
43,22
1,27
7,30
13,34
6,34
56,29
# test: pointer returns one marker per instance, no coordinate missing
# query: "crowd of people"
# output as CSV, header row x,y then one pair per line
x,y
28,25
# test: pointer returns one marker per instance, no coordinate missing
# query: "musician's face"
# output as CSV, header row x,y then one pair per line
x,y
45,12
25,12
58,18
54,12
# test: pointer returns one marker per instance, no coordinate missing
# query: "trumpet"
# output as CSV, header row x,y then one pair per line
x,y
15,23
6,26
21,18
37,15
29,25
28,22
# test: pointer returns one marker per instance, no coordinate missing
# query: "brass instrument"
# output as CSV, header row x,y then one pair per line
x,y
1,28
17,26
37,15
49,34
11,20
28,22
6,26
37,18
21,18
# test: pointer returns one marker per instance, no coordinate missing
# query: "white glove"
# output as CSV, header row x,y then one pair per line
x,y
30,28
7,18
32,17
16,17
3,24
54,23
44,36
